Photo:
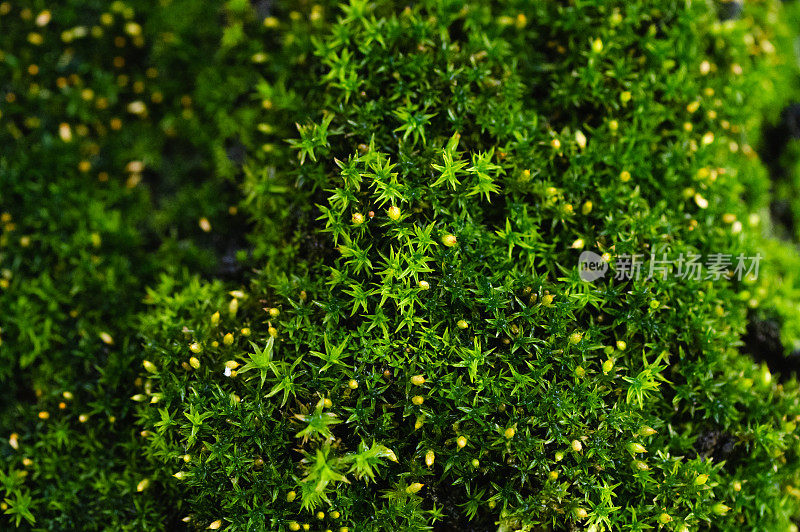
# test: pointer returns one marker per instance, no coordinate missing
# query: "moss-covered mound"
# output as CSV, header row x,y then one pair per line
x,y
445,266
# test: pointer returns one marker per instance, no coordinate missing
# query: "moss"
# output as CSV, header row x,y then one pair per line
x,y
346,292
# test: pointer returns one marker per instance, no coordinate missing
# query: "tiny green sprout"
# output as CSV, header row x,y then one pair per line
x,y
720,509
449,240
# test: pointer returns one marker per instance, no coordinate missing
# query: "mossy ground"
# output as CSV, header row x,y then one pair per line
x,y
284,266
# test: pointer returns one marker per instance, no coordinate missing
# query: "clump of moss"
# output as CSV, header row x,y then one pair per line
x,y
360,225
417,348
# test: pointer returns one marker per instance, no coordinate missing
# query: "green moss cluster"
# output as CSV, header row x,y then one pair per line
x,y
406,341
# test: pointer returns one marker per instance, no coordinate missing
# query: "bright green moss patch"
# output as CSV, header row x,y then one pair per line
x,y
343,292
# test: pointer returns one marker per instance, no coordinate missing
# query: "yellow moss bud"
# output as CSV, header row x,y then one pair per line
x,y
701,479
580,138
449,240
143,484
418,400
393,212
430,456
352,384
462,324
576,446
227,339
647,431
461,441
195,347
636,448
149,366
194,362
414,487
417,380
